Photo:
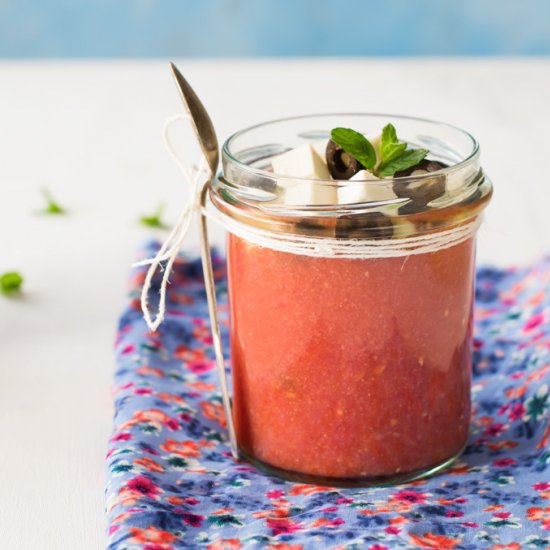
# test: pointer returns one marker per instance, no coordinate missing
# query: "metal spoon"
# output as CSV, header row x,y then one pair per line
x,y
202,125
206,136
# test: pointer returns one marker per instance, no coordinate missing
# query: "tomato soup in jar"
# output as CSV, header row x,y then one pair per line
x,y
351,247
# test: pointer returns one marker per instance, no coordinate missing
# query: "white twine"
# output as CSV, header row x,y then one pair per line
x,y
350,247
305,245
195,178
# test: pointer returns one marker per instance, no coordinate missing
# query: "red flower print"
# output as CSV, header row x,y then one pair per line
x,y
516,412
214,411
541,486
392,530
200,367
192,519
149,464
284,546
493,507
511,546
280,526
324,522
153,417
533,322
145,370
275,494
182,448
543,443
183,299
303,489
517,392
378,547
172,424
540,514
504,462
143,391
502,444
201,386
171,398
152,535
122,436
411,497
494,430
502,515
538,374
343,500
225,544
330,509
128,349
144,486
453,514
429,540
472,524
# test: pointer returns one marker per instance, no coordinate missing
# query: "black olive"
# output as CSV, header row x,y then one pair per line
x,y
369,225
421,191
341,165
424,165
411,208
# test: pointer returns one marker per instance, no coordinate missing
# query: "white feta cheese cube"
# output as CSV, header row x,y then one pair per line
x,y
356,193
302,162
320,147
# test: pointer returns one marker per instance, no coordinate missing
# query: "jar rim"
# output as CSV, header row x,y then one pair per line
x,y
247,190
230,155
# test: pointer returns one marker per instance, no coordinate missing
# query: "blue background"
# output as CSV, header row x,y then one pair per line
x,y
214,28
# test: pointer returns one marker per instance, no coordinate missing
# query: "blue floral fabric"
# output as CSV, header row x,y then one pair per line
x,y
172,482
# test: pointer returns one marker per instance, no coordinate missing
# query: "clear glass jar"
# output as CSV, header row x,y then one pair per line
x,y
351,370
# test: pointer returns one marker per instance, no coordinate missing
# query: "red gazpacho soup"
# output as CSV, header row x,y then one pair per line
x,y
350,369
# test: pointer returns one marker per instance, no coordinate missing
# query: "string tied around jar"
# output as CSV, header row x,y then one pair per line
x,y
195,177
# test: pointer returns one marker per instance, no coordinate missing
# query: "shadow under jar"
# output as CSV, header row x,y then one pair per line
x,y
351,318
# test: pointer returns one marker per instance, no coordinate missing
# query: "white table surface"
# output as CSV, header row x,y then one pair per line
x,y
90,132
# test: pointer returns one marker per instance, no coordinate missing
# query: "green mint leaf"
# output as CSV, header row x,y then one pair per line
x,y
389,135
52,206
390,148
154,220
10,283
355,144
407,159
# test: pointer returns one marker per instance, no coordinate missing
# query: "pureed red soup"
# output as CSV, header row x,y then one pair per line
x,y
351,298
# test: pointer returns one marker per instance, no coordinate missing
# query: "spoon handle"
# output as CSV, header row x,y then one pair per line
x,y
214,322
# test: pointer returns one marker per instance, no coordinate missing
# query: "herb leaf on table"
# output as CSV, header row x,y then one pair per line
x,y
10,283
155,219
52,206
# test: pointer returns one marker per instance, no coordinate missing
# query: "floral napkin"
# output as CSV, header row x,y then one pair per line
x,y
172,482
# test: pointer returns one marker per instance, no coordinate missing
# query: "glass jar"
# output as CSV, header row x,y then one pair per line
x,y
351,317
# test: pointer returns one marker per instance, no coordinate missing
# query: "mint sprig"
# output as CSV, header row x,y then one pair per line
x,y
155,219
390,148
52,206
408,159
394,156
10,283
355,144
